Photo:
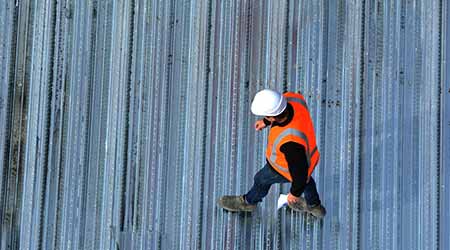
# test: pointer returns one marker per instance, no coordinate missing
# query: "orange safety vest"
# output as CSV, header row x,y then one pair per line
x,y
300,130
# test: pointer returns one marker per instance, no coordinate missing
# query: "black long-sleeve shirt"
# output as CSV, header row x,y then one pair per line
x,y
296,157
298,166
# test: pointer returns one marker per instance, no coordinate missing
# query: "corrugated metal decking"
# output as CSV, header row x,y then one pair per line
x,y
122,122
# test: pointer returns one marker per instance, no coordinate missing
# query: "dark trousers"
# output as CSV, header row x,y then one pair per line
x,y
267,176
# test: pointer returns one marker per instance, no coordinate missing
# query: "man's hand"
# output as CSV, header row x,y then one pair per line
x,y
292,199
259,125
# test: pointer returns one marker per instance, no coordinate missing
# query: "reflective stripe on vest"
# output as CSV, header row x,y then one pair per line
x,y
314,151
298,100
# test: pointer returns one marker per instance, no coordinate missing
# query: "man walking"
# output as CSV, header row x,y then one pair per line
x,y
291,154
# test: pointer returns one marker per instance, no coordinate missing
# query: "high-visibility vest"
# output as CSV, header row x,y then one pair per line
x,y
300,130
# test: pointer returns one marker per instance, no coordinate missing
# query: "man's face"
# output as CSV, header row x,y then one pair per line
x,y
278,119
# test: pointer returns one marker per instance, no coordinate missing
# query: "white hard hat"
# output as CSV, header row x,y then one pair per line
x,y
268,102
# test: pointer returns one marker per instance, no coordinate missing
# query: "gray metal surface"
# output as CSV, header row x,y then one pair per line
x,y
122,122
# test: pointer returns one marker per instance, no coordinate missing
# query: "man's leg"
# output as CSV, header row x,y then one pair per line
x,y
314,205
247,203
310,192
263,180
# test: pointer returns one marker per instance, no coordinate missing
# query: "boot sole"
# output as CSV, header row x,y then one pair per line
x,y
220,203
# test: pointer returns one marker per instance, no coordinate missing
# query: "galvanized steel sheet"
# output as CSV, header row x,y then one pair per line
x,y
122,122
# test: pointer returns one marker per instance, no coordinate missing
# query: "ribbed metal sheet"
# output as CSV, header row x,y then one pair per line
x,y
122,122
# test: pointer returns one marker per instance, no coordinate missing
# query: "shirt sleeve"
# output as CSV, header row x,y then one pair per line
x,y
298,166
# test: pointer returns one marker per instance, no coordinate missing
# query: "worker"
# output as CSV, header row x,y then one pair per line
x,y
291,154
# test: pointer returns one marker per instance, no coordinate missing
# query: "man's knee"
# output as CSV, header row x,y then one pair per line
x,y
261,179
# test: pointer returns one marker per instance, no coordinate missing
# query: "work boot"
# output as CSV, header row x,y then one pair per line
x,y
317,211
235,204
299,206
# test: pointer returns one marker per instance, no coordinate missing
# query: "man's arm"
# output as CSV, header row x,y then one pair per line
x,y
298,166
